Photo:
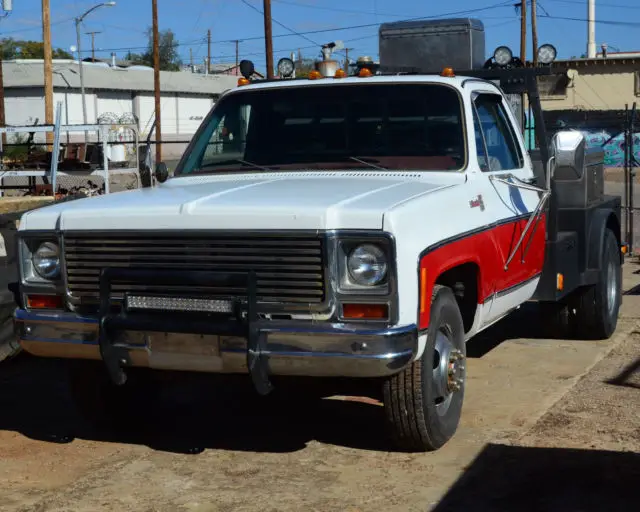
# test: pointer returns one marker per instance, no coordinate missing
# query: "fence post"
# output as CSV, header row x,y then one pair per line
x,y
632,172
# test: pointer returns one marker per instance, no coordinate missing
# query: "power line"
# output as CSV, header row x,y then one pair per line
x,y
581,2
601,22
368,25
337,9
337,29
245,2
304,34
5,32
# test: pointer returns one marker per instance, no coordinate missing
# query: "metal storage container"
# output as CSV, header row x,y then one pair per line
x,y
428,46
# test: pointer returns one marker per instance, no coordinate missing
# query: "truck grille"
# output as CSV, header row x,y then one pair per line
x,y
289,270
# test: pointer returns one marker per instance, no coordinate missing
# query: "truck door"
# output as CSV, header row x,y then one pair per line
x,y
502,156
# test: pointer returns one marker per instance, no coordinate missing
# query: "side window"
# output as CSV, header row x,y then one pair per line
x,y
480,149
504,153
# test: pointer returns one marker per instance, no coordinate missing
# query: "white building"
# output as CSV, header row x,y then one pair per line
x,y
186,97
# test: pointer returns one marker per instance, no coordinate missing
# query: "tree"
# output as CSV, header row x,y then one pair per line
x,y
169,57
304,67
16,49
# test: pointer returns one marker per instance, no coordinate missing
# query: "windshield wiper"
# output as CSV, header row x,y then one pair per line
x,y
368,163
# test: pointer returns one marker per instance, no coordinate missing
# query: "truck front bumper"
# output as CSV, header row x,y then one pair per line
x,y
288,347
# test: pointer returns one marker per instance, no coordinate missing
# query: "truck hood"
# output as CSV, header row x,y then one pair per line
x,y
300,201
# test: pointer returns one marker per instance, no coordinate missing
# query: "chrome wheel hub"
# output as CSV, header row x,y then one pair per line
x,y
612,287
448,372
455,371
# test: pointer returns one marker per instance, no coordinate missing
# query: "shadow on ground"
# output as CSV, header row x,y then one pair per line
x,y
624,377
525,322
197,412
193,413
507,478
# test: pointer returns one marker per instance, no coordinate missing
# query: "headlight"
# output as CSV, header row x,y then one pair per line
x,y
46,260
367,265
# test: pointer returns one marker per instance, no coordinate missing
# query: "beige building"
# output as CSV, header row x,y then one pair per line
x,y
604,84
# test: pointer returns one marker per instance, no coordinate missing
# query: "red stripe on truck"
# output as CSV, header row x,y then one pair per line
x,y
488,248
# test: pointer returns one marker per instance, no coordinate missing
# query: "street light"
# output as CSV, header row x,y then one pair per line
x,y
78,21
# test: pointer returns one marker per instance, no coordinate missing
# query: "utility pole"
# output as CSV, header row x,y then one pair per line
x,y
346,60
523,31
237,55
156,79
268,37
2,117
534,31
191,58
591,31
7,7
93,43
208,52
48,67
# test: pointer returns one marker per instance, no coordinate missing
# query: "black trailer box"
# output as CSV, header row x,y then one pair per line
x,y
428,46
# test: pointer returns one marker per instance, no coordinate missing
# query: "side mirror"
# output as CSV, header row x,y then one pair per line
x,y
162,173
569,149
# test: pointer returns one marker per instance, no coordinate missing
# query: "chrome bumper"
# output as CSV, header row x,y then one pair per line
x,y
292,348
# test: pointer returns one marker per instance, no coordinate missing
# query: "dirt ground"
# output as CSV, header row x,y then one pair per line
x,y
547,425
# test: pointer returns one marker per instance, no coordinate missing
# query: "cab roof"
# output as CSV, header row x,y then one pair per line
x,y
378,79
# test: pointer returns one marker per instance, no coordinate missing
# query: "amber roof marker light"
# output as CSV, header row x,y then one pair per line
x,y
448,72
366,67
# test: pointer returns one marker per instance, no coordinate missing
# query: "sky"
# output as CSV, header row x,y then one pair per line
x,y
306,24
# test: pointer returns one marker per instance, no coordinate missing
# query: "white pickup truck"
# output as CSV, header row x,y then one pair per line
x,y
360,227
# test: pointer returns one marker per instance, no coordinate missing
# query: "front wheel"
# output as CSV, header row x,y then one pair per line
x,y
423,403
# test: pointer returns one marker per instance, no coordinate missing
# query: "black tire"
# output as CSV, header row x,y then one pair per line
x,y
594,310
102,403
412,397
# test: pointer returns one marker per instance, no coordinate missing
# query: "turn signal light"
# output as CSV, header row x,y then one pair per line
x,y
44,302
364,72
315,74
365,311
559,282
448,72
243,81
624,249
423,290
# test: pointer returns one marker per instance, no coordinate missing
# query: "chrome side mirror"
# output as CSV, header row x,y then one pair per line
x,y
568,149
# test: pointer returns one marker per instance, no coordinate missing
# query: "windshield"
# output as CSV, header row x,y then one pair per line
x,y
380,126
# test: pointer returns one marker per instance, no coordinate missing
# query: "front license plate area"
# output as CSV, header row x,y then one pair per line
x,y
205,345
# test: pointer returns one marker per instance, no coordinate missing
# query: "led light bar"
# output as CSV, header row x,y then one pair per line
x,y
179,304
